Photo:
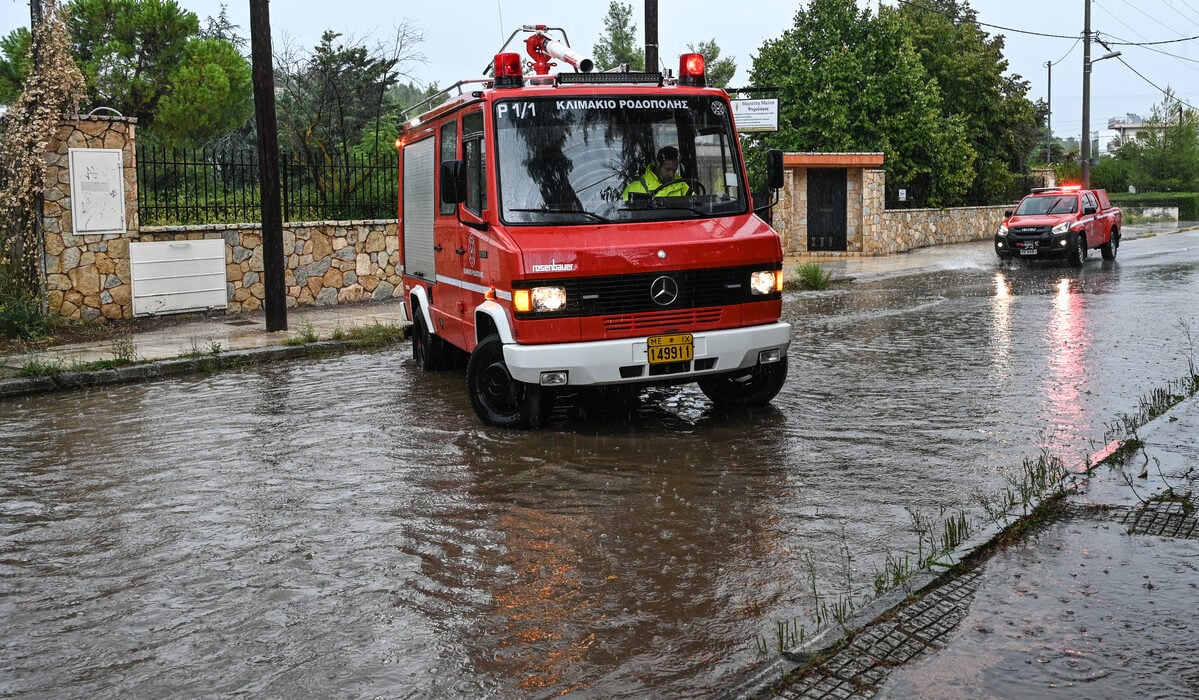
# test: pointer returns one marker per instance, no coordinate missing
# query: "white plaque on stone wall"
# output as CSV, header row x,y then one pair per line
x,y
97,190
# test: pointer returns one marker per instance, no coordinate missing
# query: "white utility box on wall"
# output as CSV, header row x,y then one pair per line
x,y
178,276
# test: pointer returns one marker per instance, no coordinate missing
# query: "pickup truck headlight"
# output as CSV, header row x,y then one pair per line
x,y
1002,230
1061,228
766,282
539,299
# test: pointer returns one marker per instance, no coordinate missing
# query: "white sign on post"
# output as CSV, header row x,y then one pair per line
x,y
756,115
97,190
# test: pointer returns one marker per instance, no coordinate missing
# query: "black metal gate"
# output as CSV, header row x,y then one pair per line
x,y
827,208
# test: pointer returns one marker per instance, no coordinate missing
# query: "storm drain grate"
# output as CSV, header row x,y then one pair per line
x,y
859,669
1166,518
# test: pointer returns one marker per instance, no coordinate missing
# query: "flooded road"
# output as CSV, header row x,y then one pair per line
x,y
346,528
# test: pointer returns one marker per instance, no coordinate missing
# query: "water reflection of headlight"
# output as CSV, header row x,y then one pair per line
x,y
1002,290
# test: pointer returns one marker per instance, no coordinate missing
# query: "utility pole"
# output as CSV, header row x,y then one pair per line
x,y
651,36
1049,116
1086,98
263,73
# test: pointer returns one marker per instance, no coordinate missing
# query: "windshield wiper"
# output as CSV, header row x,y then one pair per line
x,y
549,210
667,207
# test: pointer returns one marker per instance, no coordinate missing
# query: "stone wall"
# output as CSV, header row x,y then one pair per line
x,y
327,262
871,228
88,277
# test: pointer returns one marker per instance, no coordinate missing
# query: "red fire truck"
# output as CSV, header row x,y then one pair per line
x,y
527,256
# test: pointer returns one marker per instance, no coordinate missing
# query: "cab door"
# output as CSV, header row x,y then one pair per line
x,y
446,296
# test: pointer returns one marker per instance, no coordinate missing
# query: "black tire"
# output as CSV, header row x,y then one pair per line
x,y
430,352
1108,250
1077,253
755,386
497,398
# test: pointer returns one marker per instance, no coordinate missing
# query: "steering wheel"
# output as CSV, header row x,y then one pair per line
x,y
695,186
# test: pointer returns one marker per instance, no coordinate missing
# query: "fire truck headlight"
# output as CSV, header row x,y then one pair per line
x,y
1061,228
548,298
766,282
1002,230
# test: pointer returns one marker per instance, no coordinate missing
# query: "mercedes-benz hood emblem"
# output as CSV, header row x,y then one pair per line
x,y
664,291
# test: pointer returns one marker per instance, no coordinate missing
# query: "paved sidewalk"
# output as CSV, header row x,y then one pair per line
x,y
1097,601
199,341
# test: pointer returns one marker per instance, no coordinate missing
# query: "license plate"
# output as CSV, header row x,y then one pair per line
x,y
1028,251
679,347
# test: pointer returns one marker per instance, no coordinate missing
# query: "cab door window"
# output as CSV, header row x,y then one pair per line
x,y
449,151
475,156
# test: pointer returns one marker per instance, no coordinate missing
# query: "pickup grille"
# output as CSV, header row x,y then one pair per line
x,y
1030,230
682,292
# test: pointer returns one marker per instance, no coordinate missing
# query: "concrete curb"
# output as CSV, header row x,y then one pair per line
x,y
159,369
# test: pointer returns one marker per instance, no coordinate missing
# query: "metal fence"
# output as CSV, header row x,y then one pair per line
x,y
198,186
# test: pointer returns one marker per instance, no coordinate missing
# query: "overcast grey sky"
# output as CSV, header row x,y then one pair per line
x,y
460,37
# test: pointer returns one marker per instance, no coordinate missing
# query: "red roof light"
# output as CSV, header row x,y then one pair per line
x,y
508,71
691,69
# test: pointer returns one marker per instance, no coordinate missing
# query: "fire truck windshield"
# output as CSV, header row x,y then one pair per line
x,y
571,160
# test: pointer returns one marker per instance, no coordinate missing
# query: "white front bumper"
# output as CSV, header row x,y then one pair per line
x,y
600,362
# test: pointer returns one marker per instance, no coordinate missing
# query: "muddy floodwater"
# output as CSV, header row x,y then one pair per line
x,y
347,528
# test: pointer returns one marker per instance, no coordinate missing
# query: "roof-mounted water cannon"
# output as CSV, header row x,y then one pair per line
x,y
543,49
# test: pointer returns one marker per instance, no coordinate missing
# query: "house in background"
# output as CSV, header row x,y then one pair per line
x,y
1128,128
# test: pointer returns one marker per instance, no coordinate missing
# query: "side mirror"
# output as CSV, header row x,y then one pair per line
x,y
1088,210
774,169
453,181
1007,214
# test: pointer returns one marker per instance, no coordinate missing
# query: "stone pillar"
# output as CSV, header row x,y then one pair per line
x,y
87,277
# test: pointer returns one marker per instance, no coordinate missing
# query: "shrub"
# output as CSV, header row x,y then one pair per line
x,y
811,276
21,318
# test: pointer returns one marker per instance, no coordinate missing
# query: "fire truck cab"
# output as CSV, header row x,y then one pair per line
x,y
528,256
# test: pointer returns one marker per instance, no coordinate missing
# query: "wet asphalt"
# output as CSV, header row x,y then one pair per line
x,y
1114,559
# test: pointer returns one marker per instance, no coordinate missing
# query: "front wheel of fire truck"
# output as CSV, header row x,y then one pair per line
x,y
499,399
755,386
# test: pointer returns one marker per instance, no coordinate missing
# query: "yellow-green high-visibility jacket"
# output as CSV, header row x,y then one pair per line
x,y
648,182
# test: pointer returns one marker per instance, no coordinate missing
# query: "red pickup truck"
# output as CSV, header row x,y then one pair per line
x,y
1060,222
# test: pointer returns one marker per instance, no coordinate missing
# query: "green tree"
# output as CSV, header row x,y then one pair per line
x,y
221,27
849,82
211,94
618,43
14,63
1166,157
334,101
968,68
127,50
720,70
148,59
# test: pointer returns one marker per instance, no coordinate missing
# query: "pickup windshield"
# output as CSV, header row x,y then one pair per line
x,y
565,161
1048,204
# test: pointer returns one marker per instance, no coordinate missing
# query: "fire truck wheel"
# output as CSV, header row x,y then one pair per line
x,y
499,399
1078,250
1108,250
755,386
428,351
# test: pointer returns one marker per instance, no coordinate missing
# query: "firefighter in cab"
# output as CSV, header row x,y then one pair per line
x,y
660,178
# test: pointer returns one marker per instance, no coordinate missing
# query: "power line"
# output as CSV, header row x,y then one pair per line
x,y
1155,85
